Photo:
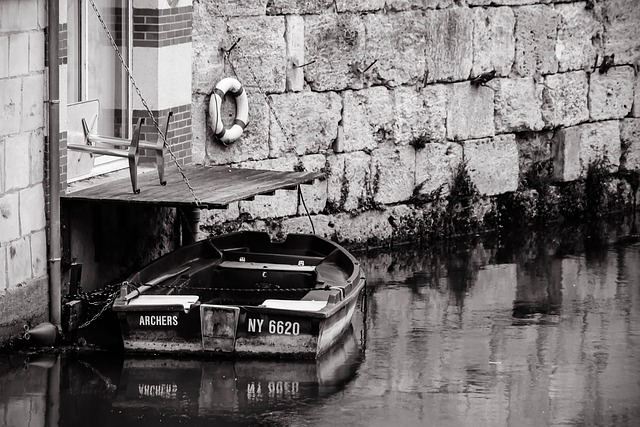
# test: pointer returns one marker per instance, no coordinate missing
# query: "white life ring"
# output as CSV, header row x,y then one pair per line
x,y
228,84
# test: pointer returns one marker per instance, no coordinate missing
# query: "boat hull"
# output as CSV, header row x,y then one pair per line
x,y
242,294
243,331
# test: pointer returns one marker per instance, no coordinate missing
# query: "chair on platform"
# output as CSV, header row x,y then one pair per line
x,y
123,147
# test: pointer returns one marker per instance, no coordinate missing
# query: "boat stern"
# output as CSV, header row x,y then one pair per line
x,y
160,323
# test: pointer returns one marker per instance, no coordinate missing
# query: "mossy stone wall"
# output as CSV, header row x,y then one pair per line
x,y
394,99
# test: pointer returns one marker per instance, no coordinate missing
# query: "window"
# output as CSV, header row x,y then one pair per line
x,y
95,72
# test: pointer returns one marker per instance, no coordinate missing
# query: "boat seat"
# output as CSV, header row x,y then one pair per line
x,y
162,300
248,265
294,305
262,274
275,258
331,296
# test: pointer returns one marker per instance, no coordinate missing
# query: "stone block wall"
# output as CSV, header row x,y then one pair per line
x,y
388,97
23,240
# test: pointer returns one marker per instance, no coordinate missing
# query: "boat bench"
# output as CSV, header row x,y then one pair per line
x,y
261,257
250,274
314,300
125,148
294,305
331,296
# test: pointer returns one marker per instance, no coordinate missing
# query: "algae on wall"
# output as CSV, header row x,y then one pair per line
x,y
388,98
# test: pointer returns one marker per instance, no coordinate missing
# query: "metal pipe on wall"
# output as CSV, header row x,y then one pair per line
x,y
55,251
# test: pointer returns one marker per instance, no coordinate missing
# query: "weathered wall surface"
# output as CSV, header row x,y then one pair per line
x,y
383,96
23,241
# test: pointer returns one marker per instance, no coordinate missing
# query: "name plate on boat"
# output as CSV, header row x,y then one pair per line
x,y
157,320
153,320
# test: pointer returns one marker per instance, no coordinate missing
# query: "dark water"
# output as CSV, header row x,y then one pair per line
x,y
513,332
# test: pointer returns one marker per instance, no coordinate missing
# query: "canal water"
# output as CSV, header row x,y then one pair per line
x,y
512,330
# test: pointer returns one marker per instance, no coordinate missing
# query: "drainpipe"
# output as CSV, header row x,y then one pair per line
x,y
55,294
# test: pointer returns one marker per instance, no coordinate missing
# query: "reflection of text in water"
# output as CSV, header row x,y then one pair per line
x,y
279,390
165,391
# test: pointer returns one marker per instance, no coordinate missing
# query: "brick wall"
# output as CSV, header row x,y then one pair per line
x,y
162,27
178,135
162,54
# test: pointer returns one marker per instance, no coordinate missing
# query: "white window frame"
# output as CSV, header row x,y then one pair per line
x,y
102,164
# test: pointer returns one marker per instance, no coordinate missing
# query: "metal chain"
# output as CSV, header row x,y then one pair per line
x,y
115,294
161,134
110,386
107,304
144,103
226,289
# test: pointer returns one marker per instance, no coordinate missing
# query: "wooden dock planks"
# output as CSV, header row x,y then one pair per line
x,y
215,186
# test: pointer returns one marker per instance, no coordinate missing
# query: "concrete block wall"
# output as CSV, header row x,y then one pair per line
x,y
23,243
384,92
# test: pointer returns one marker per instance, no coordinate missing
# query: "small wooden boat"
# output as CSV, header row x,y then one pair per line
x,y
242,294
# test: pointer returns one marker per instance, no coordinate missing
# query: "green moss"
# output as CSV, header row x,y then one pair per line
x,y
633,178
299,167
347,33
326,170
596,188
452,214
227,226
420,142
533,202
462,200
518,207
571,201
276,229
539,176
332,207
368,204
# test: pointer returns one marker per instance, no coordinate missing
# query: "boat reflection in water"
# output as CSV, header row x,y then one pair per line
x,y
54,390
206,387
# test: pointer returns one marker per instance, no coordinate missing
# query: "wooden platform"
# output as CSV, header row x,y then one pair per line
x,y
215,186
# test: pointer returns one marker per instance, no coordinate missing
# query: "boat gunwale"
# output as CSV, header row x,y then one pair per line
x,y
326,312
122,304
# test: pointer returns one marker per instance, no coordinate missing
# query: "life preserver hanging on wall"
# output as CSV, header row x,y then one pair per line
x,y
228,84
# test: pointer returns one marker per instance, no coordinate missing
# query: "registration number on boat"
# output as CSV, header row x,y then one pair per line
x,y
276,327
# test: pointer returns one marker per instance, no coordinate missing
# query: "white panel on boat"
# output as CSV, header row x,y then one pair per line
x,y
184,300
244,265
218,325
285,304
